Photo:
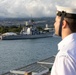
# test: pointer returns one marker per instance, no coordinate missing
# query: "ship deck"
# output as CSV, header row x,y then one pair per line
x,y
42,67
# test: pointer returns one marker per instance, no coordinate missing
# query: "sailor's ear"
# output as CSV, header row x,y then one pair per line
x,y
64,25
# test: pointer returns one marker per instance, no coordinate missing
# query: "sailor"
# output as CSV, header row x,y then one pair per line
x,y
65,27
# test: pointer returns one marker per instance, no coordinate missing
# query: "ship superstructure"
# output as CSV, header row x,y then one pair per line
x,y
29,31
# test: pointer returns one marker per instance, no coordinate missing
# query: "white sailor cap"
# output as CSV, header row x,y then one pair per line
x,y
69,12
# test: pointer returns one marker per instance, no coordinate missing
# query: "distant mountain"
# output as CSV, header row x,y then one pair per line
x,y
21,21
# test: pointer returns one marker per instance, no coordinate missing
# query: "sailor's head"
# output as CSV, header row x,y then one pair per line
x,y
65,17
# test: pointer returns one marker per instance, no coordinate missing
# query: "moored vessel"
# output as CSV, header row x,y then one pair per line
x,y
29,31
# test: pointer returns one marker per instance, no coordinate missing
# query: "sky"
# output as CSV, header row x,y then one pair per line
x,y
34,8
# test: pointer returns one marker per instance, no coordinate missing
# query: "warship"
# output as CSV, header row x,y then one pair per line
x,y
29,31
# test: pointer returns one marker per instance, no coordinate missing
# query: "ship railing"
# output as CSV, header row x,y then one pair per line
x,y
42,67
45,63
14,72
18,72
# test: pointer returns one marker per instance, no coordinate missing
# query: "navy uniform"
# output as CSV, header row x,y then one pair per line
x,y
65,61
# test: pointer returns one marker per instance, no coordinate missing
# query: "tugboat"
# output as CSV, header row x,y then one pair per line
x,y
29,31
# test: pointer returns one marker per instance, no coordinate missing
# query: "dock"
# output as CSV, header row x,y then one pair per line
x,y
42,67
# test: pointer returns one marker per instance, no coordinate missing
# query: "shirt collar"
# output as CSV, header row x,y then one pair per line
x,y
66,41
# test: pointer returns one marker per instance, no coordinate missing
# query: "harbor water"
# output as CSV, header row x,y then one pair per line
x,y
18,53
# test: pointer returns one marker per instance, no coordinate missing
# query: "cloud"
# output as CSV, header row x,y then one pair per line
x,y
36,8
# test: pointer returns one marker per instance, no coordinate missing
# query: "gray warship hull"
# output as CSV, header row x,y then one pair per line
x,y
23,36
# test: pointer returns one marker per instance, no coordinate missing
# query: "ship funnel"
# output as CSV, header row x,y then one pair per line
x,y
26,23
46,25
29,31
